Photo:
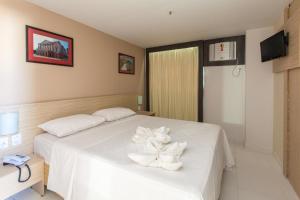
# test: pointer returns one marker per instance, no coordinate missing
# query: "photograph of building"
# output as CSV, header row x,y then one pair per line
x,y
50,47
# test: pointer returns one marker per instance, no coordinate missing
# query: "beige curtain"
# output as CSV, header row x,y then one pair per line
x,y
174,83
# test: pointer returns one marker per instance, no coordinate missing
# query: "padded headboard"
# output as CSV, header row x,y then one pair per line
x,y
31,115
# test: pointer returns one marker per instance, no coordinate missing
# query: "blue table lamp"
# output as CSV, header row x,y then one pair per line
x,y
9,123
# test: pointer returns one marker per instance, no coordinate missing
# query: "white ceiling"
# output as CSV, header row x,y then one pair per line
x,y
147,23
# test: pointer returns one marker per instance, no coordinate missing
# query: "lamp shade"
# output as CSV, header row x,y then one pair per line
x,y
140,100
9,123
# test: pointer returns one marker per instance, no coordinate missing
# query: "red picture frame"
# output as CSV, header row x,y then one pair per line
x,y
46,47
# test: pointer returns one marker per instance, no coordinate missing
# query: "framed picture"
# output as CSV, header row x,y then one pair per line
x,y
48,48
126,64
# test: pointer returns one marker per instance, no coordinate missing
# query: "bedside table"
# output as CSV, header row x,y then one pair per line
x,y
148,113
9,178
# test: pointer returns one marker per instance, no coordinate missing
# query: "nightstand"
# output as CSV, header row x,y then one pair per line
x,y
148,113
9,178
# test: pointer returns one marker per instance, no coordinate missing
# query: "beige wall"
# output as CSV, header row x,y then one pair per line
x,y
259,93
281,69
278,137
287,142
95,70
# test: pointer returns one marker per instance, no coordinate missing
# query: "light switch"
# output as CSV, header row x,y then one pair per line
x,y
3,142
16,139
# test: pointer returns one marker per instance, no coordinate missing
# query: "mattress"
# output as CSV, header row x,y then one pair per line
x,y
43,144
93,164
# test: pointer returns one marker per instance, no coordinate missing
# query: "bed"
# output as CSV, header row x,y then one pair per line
x,y
93,164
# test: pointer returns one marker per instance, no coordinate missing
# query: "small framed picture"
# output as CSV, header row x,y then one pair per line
x,y
48,48
126,64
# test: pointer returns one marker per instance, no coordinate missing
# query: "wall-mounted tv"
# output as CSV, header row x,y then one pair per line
x,y
274,47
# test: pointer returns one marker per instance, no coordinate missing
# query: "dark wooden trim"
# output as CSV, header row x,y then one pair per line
x,y
48,63
147,92
175,46
240,51
122,54
198,44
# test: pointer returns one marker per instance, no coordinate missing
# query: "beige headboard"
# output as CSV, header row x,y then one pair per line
x,y
31,115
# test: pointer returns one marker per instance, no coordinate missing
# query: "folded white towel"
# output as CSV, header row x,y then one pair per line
x,y
150,160
157,152
162,156
161,135
174,149
143,134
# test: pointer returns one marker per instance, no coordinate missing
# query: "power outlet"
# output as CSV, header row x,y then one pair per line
x,y
16,139
3,142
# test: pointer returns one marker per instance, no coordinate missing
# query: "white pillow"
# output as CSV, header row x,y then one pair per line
x,y
72,124
112,114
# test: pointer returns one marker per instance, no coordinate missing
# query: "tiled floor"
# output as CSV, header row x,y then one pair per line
x,y
256,177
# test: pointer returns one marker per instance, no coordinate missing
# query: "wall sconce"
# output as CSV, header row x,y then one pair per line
x,y
9,123
139,102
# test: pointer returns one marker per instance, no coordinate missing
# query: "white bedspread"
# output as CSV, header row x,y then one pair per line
x,y
93,164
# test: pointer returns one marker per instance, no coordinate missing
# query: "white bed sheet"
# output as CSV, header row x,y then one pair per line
x,y
93,164
43,144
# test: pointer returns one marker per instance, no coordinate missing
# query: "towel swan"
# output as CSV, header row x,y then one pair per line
x,y
158,151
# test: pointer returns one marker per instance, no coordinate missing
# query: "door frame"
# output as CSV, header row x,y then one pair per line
x,y
200,45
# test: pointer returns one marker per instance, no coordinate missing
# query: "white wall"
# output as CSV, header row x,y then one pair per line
x,y
259,93
224,100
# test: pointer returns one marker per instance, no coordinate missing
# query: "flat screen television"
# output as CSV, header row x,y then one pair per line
x,y
274,47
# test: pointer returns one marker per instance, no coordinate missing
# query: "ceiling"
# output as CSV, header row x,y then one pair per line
x,y
147,23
